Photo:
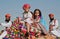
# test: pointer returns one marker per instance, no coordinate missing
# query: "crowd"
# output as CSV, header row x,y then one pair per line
x,y
31,26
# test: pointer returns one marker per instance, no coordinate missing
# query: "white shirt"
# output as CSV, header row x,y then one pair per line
x,y
54,23
6,24
28,20
27,15
56,32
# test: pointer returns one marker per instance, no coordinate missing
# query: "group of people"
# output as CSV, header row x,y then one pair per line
x,y
32,25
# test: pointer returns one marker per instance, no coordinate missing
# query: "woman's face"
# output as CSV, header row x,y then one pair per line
x,y
37,13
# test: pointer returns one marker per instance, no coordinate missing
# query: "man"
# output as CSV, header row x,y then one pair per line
x,y
27,16
7,24
53,26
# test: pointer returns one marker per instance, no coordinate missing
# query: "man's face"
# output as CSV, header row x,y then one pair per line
x,y
51,16
7,18
26,9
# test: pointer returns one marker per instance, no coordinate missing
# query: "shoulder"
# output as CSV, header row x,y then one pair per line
x,y
31,12
55,20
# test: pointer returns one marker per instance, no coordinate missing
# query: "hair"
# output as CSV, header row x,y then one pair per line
x,y
40,15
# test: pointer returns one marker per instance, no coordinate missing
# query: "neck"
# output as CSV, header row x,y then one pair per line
x,y
26,11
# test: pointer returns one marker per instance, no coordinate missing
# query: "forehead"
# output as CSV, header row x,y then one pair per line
x,y
51,16
36,11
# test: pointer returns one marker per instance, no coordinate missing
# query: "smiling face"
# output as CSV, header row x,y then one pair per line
x,y
37,13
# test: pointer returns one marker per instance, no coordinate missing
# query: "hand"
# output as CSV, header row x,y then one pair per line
x,y
51,27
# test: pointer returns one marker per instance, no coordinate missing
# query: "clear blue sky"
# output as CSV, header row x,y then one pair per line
x,y
14,7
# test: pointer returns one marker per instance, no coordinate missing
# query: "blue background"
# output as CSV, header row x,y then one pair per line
x,y
14,7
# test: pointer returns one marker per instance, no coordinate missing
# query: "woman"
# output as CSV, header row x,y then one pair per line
x,y
38,19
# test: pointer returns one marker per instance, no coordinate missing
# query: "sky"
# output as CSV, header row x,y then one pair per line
x,y
14,7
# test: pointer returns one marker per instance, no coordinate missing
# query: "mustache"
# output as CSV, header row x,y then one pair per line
x,y
51,19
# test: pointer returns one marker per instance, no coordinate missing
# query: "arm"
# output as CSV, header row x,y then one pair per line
x,y
56,24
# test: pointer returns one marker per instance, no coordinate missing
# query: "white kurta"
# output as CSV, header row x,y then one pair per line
x,y
28,20
54,23
55,31
5,25
27,17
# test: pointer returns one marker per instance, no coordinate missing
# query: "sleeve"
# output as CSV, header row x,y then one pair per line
x,y
29,15
56,24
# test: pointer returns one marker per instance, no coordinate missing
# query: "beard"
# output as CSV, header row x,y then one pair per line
x,y
51,19
7,20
